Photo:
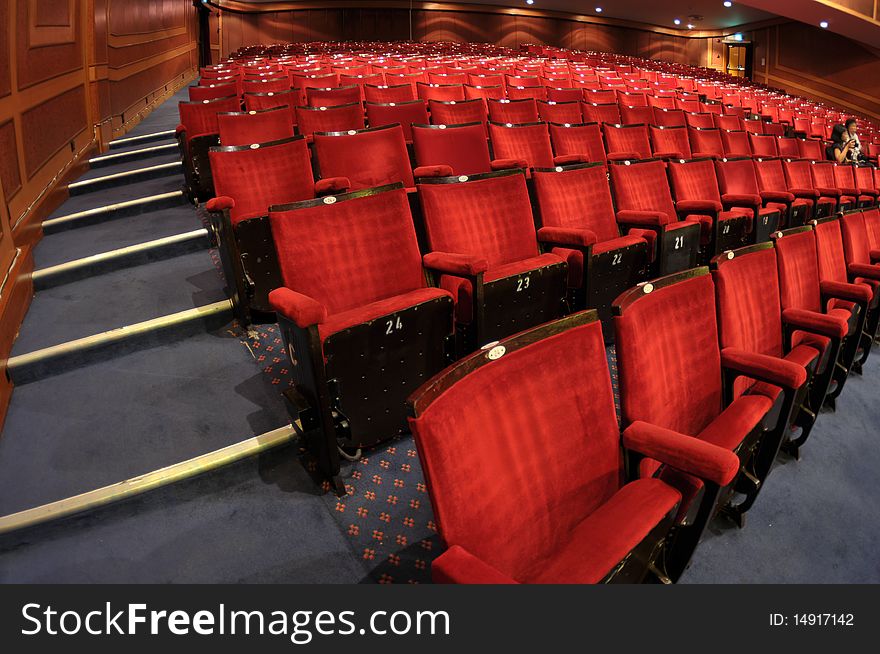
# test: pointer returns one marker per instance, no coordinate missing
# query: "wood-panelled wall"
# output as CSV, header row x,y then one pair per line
x,y
73,75
818,64
389,24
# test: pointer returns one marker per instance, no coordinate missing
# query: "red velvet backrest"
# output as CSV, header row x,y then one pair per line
x,y
691,106
463,147
797,174
368,158
513,111
244,128
844,176
671,139
631,99
530,142
256,178
726,122
564,94
668,359
753,126
706,141
829,247
333,97
266,84
787,147
211,92
637,115
823,174
330,252
258,101
584,139
457,113
864,178
737,176
747,293
628,138
442,92
811,149
798,266
694,180
388,93
525,92
600,113
763,145
661,102
642,186
872,225
201,117
670,117
600,96
488,216
485,79
507,493
736,144
330,119
577,197
560,112
484,92
703,120
403,113
856,244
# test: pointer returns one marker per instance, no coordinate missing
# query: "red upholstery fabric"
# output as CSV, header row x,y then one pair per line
x,y
462,147
636,115
302,310
212,92
671,140
332,97
630,138
823,177
872,225
704,121
668,358
799,272
600,113
829,245
560,112
763,145
368,158
244,128
442,92
577,198
441,170
828,325
736,421
385,94
580,526
456,264
670,118
706,142
564,94
368,312
856,244
402,113
535,92
736,144
811,149
259,101
584,140
458,566
737,179
787,147
484,92
601,96
490,218
457,113
514,112
642,186
329,119
529,142
201,117
265,85
327,252
257,178
771,369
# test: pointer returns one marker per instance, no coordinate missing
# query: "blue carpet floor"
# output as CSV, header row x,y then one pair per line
x,y
263,519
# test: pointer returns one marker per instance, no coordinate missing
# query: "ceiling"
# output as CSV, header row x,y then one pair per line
x,y
659,12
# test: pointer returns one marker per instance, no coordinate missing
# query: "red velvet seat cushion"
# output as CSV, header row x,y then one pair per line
x,y
378,309
600,541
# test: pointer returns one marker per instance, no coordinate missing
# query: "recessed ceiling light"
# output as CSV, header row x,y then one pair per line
x,y
728,3
690,27
598,10
530,2
677,21
824,24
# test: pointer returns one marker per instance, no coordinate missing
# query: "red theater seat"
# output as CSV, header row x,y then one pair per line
x,y
339,296
458,113
670,118
559,112
824,181
442,92
527,143
341,118
739,188
811,149
703,121
368,157
736,144
590,522
406,114
637,115
384,94
845,180
582,140
670,142
484,248
197,132
212,92
254,126
600,113
514,112
627,142
453,149
799,177
706,142
333,97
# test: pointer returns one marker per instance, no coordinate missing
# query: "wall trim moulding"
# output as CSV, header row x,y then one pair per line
x,y
239,7
43,35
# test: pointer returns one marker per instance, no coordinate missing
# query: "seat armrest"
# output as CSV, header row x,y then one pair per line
x,y
875,256
507,164
697,206
669,155
623,156
829,192
809,193
567,159
685,453
441,170
630,217
869,271
220,203
179,129
777,196
817,323
566,236
332,185
740,200
458,566
455,264
772,370
842,291
301,309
